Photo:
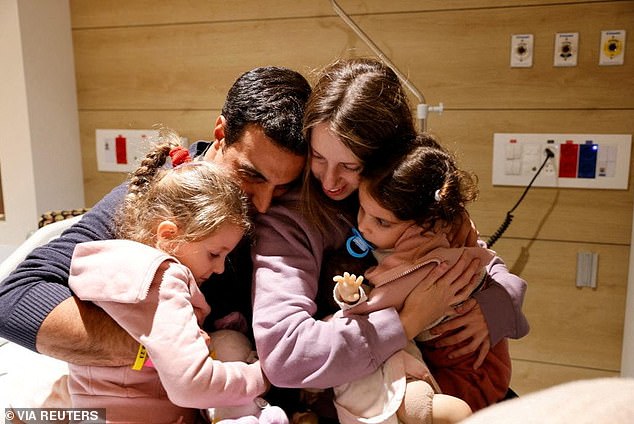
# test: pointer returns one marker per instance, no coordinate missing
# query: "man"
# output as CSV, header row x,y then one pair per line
x,y
258,135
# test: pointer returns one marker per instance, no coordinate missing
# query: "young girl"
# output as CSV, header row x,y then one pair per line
x,y
410,214
175,229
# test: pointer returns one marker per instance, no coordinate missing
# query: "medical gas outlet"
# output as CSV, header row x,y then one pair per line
x,y
566,49
612,49
599,161
521,50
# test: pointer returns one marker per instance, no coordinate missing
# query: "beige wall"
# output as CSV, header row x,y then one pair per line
x,y
39,137
139,62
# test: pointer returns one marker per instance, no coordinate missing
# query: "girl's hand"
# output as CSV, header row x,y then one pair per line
x,y
470,324
348,286
435,296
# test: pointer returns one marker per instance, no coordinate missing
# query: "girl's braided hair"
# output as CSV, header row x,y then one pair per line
x,y
198,197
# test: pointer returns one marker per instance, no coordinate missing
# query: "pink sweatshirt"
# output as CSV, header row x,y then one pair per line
x,y
398,273
156,300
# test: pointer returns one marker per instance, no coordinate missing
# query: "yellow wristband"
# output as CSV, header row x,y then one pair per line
x,y
141,356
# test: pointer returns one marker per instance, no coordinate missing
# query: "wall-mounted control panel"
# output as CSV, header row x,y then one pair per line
x,y
120,150
566,49
521,50
612,48
578,160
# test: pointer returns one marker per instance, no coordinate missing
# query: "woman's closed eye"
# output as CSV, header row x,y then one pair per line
x,y
317,156
352,168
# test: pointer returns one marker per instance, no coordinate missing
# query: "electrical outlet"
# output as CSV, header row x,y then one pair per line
x,y
550,169
612,48
566,49
121,150
596,161
521,50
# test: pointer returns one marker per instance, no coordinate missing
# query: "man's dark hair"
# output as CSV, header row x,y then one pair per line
x,y
272,98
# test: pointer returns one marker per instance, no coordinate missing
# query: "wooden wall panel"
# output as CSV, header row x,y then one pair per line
x,y
115,13
170,66
569,325
532,376
141,62
190,66
470,69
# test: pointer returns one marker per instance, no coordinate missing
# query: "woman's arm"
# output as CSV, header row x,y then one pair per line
x,y
296,350
501,303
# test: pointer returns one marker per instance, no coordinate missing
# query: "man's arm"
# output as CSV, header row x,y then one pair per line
x,y
82,333
37,292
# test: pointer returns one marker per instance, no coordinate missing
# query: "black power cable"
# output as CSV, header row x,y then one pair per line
x,y
509,214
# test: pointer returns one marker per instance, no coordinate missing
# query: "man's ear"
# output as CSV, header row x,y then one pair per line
x,y
219,129
166,231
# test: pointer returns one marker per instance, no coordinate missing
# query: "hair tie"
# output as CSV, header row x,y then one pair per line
x,y
179,155
437,195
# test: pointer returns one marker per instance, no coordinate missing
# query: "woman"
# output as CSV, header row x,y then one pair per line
x,y
356,119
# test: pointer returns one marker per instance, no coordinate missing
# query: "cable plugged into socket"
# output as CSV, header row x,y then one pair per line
x,y
550,167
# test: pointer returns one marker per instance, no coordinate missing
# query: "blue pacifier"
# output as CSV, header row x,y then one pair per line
x,y
357,246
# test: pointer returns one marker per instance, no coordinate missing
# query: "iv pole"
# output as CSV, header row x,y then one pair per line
x,y
423,108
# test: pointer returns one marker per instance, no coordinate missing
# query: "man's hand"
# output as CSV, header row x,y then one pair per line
x,y
81,333
348,286
469,325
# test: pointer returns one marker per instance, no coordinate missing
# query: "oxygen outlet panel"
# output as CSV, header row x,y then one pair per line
x,y
521,50
598,161
612,48
566,49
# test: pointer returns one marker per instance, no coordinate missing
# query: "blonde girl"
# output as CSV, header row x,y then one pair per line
x,y
175,228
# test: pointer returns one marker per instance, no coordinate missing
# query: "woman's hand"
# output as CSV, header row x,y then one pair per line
x,y
435,296
469,325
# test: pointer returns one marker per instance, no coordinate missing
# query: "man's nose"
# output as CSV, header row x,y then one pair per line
x,y
262,198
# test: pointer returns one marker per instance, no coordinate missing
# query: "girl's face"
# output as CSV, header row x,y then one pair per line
x,y
207,256
333,164
378,225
